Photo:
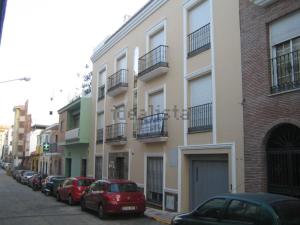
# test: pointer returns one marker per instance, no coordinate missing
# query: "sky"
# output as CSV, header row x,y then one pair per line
x,y
51,41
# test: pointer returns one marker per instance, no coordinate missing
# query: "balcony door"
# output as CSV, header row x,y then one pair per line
x,y
199,16
156,102
156,40
200,112
120,121
121,65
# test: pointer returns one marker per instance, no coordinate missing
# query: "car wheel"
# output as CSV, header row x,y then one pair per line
x,y
58,197
101,212
82,205
70,200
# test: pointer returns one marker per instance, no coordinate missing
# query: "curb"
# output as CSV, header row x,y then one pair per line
x,y
158,219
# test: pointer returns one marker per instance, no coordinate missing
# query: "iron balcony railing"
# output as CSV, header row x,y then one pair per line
x,y
200,118
118,79
115,132
101,92
100,136
199,40
154,59
152,126
285,72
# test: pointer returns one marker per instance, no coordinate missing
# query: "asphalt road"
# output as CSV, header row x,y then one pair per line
x,y
19,205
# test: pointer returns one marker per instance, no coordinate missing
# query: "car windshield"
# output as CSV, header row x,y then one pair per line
x,y
125,187
288,212
28,173
85,182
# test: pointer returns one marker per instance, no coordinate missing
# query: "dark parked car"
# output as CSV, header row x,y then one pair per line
x,y
47,187
113,197
72,189
244,209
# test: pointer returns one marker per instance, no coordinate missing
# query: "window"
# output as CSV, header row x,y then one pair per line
x,y
242,211
100,126
200,91
120,114
121,63
199,16
156,102
157,39
126,187
61,125
85,182
134,112
211,209
200,110
136,61
76,119
100,121
198,28
285,50
101,84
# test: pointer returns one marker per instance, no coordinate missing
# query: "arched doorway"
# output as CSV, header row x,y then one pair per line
x,y
283,160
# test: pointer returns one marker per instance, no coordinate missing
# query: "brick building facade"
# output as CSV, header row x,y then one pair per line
x,y
270,46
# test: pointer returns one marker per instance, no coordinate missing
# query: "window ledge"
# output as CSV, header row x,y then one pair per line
x,y
284,92
263,3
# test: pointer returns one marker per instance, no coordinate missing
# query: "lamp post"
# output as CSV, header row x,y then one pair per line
x,y
22,78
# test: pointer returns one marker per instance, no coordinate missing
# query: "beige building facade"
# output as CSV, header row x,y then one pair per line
x,y
22,124
167,103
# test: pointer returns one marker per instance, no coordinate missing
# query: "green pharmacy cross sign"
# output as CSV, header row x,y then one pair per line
x,y
46,147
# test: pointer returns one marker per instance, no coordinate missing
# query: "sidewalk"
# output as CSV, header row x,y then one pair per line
x,y
159,215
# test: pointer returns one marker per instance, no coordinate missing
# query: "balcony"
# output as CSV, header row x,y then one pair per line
x,y
200,118
153,128
116,134
285,71
117,83
101,92
72,135
263,3
199,40
100,136
153,64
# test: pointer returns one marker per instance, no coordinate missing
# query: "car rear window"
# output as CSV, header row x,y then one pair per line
x,y
288,212
126,187
29,173
85,182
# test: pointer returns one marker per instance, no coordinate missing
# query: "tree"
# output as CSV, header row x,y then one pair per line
x,y
87,83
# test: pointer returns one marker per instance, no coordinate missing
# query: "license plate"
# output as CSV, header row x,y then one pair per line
x,y
128,208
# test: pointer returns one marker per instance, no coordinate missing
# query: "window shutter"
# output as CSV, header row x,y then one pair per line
x,y
200,91
199,16
285,29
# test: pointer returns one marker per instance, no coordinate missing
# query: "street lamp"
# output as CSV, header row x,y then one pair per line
x,y
22,78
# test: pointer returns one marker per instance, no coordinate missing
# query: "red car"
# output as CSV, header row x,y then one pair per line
x,y
113,197
72,189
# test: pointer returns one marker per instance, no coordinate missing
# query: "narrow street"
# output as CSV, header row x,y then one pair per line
x,y
20,205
